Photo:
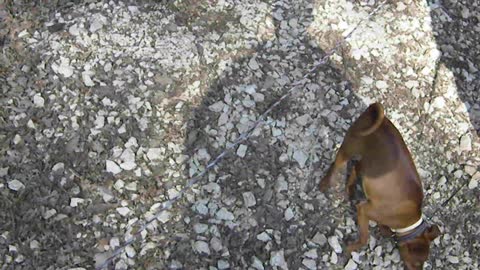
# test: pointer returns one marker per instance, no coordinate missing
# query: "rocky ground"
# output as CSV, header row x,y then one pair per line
x,y
108,108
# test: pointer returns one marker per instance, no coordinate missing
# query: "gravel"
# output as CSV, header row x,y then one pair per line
x,y
108,109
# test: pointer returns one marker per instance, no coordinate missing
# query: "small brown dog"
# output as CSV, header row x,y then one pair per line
x,y
391,185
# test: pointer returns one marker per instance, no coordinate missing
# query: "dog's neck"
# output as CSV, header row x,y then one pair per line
x,y
410,232
409,228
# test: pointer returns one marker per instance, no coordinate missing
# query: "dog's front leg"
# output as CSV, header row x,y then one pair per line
x,y
340,161
362,215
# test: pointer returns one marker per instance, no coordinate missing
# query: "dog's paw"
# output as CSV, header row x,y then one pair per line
x,y
352,247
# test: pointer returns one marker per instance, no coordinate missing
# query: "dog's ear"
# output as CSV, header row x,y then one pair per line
x,y
432,232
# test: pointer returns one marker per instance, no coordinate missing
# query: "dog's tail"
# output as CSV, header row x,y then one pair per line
x,y
370,120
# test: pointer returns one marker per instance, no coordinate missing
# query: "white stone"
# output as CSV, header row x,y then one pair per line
x,y
320,239
216,244
164,216
300,157
411,84
257,264
200,228
201,247
249,199
351,265
15,185
381,84
97,22
242,150
119,184
277,258
281,184
258,97
438,102
75,201
223,119
74,30
49,213
34,244
112,167
130,251
224,214
131,186
465,143
64,68
248,103
38,101
87,80
312,254
310,264
276,132
333,242
217,107
453,259
303,120
3,171
133,9
202,209
203,154
250,89
264,237
155,153
334,258
128,166
288,214
253,64
474,181
222,264
128,155
124,211
212,187
59,167
173,193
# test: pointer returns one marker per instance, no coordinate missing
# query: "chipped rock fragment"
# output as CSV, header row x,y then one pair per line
x,y
242,150
288,214
253,64
310,264
217,107
320,239
300,157
333,242
201,247
155,153
277,258
38,101
312,254
222,264
465,143
164,216
224,214
264,237
249,199
15,185
351,265
257,264
124,211
74,202
112,167
473,183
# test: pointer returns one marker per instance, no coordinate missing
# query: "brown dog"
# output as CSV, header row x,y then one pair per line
x,y
390,182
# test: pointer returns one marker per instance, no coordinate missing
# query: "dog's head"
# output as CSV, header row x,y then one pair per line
x,y
415,252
